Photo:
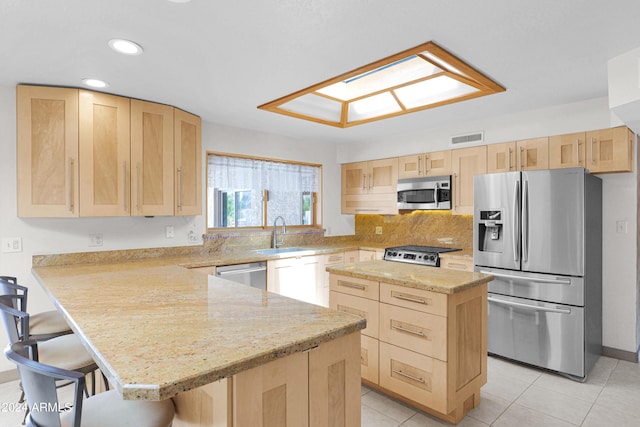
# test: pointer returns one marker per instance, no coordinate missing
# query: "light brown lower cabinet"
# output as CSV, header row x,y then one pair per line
x,y
427,349
315,388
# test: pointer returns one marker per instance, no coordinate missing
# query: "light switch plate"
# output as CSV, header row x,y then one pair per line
x,y
12,244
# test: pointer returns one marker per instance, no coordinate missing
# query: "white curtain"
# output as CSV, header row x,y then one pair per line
x,y
285,182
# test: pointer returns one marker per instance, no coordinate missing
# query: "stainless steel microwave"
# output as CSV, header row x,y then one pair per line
x,y
432,192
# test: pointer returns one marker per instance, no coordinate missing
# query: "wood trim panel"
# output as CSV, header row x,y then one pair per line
x,y
363,307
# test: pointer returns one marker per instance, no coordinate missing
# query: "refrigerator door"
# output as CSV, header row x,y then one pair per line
x,y
496,228
553,221
547,335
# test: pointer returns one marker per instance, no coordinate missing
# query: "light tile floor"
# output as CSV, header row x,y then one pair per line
x,y
514,396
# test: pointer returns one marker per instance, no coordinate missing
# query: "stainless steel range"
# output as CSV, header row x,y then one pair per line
x,y
414,254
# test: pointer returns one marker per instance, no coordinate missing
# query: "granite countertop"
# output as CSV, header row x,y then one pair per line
x,y
413,276
157,329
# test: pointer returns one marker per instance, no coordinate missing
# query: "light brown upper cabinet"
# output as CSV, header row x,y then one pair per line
x,y
610,150
466,163
47,151
567,151
83,153
151,158
104,155
188,163
428,164
533,154
502,157
370,187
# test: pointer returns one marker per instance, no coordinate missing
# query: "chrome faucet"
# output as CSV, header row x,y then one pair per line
x,y
277,243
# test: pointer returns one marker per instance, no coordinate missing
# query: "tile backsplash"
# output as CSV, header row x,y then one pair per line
x,y
431,228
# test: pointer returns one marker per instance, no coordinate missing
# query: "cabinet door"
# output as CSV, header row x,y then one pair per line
x,y
610,150
369,255
354,178
334,383
502,157
411,166
188,163
273,395
151,159
351,256
382,176
438,163
467,162
533,154
295,277
104,155
47,151
567,151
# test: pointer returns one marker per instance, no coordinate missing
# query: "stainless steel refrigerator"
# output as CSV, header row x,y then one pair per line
x,y
540,234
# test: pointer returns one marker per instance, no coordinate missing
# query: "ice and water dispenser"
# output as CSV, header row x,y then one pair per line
x,y
490,231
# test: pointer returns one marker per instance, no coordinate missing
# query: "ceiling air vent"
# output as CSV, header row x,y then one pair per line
x,y
468,138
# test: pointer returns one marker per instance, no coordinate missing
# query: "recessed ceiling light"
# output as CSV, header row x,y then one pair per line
x,y
125,46
95,83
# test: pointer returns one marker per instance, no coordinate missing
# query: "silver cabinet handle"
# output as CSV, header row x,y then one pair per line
x,y
138,186
364,181
522,165
70,206
180,189
530,307
530,279
124,186
593,159
419,164
411,377
578,151
508,158
456,266
402,297
426,164
370,176
352,285
409,331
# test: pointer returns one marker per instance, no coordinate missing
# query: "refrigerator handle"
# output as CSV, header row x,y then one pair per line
x,y
525,221
516,227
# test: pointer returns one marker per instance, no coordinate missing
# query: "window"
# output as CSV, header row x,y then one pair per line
x,y
247,192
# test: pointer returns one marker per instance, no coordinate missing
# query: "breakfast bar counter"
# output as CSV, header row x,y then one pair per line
x,y
158,331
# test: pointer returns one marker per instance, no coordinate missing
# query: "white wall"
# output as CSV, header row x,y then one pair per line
x,y
619,195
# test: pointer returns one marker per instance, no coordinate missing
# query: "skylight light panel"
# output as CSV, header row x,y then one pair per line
x,y
425,76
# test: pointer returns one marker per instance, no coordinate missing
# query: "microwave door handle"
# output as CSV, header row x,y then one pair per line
x,y
435,196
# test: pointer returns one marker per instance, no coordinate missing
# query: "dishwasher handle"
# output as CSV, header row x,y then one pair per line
x,y
241,271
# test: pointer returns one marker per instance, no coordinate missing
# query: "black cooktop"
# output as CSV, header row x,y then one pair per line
x,y
415,254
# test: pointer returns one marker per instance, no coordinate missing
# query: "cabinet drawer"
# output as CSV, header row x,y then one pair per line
x,y
457,263
369,358
355,286
415,299
414,376
360,307
414,330
337,258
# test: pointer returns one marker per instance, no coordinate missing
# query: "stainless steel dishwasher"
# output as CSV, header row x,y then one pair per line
x,y
253,274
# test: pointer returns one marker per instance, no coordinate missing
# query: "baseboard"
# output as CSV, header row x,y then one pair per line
x,y
628,356
8,376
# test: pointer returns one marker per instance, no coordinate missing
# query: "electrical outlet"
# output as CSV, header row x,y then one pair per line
x,y
622,227
95,239
378,230
193,237
169,231
12,244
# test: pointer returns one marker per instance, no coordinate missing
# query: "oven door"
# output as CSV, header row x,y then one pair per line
x,y
550,336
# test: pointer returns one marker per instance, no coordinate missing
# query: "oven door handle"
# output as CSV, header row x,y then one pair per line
x,y
531,279
530,307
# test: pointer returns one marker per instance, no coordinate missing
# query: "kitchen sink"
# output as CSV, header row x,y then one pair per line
x,y
282,251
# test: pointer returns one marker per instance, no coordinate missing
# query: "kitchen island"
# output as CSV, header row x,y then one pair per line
x,y
228,354
426,337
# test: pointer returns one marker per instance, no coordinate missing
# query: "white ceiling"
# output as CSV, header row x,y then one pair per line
x,y
221,59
